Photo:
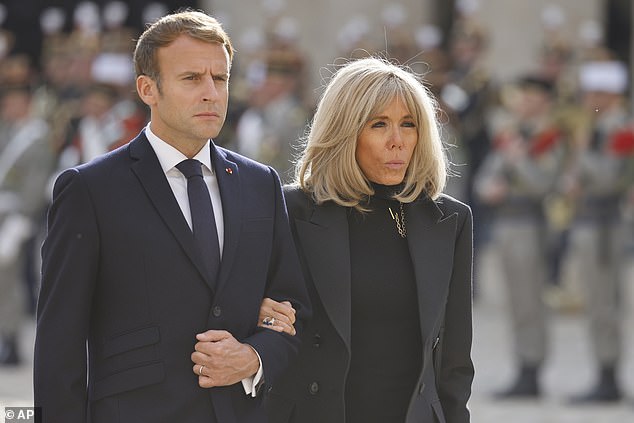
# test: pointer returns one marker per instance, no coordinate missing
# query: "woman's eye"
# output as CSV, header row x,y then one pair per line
x,y
409,124
379,124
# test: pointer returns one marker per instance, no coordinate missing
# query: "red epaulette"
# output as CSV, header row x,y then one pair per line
x,y
622,142
544,141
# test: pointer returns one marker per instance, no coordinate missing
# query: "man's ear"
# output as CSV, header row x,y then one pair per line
x,y
147,89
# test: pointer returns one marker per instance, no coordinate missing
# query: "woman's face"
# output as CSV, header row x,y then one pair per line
x,y
386,144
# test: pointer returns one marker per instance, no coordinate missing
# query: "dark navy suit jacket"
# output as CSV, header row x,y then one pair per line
x,y
124,292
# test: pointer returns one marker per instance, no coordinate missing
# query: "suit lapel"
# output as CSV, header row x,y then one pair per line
x,y
327,250
228,177
431,239
149,172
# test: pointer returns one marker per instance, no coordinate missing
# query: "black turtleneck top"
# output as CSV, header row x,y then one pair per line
x,y
386,341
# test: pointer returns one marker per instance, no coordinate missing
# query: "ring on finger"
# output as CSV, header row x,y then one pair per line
x,y
268,321
200,370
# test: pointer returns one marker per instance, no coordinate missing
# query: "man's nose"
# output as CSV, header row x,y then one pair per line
x,y
210,90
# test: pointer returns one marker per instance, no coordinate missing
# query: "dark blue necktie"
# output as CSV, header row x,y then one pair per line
x,y
203,221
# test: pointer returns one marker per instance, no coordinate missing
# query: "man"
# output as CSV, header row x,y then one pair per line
x,y
274,117
517,174
26,163
599,183
130,295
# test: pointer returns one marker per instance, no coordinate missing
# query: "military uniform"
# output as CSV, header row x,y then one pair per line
x,y
596,243
275,117
25,167
513,180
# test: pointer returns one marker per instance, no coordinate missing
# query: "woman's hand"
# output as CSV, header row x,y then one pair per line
x,y
279,317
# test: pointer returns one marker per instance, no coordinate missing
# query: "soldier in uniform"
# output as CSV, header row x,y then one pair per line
x,y
467,95
275,116
25,166
598,185
513,180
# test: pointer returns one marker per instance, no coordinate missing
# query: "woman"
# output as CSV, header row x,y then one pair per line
x,y
387,259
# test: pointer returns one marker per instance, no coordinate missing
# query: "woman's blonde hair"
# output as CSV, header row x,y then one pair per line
x,y
358,90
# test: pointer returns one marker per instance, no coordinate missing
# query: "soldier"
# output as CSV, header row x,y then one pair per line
x,y
467,95
25,166
275,117
598,186
513,180
468,92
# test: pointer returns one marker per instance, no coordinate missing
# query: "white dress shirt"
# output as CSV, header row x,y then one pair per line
x,y
169,157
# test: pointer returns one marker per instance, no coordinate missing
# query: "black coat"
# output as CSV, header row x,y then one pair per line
x,y
440,243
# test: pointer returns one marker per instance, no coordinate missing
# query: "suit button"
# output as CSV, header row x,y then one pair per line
x,y
313,388
316,340
216,311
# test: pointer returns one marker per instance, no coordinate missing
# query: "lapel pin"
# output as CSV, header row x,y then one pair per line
x,y
229,170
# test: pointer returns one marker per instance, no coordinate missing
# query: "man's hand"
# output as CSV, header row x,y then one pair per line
x,y
224,360
279,317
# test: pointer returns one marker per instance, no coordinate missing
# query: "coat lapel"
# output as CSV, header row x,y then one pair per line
x,y
228,177
431,239
324,240
149,172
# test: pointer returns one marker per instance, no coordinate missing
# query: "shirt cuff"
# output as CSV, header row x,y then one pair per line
x,y
250,383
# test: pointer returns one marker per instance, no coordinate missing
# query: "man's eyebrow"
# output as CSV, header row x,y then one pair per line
x,y
224,75
189,72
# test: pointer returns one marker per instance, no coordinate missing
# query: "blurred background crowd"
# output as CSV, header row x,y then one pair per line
x,y
540,136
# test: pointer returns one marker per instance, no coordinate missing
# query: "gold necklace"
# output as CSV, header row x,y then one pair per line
x,y
400,220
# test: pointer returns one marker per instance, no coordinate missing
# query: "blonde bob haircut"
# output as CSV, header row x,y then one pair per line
x,y
360,89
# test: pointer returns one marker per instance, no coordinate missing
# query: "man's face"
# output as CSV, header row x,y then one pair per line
x,y
598,102
191,105
14,106
533,103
